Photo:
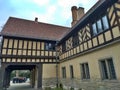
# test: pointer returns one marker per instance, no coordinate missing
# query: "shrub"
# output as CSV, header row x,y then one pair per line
x,y
61,86
71,88
58,89
48,88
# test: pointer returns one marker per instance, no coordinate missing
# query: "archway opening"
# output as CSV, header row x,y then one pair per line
x,y
20,76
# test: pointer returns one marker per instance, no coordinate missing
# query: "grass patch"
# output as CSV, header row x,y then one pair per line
x,y
49,88
58,89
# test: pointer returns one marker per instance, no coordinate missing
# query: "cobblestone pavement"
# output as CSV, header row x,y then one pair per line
x,y
21,86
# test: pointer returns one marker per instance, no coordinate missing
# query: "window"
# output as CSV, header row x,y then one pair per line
x,y
100,25
49,46
63,47
107,69
75,39
94,29
85,71
63,72
71,72
105,22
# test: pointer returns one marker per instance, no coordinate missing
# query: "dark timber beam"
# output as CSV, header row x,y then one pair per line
x,y
39,76
28,57
2,76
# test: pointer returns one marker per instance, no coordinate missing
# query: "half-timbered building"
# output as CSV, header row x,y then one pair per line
x,y
85,56
90,52
26,45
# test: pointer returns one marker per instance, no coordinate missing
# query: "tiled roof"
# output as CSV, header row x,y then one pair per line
x,y
31,29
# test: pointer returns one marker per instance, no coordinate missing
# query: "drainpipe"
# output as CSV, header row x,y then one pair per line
x,y
57,82
1,43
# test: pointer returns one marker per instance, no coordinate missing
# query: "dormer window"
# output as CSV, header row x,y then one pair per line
x,y
100,25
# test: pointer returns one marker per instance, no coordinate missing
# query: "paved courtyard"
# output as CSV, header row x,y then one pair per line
x,y
21,86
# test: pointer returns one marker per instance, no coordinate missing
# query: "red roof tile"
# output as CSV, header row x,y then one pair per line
x,y
31,29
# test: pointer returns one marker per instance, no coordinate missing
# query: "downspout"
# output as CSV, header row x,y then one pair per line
x,y
57,81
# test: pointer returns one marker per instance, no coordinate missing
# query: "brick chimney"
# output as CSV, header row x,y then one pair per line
x,y
74,15
77,13
36,19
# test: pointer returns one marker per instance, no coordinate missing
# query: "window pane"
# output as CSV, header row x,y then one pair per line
x,y
75,40
104,70
46,46
63,72
63,47
71,71
99,26
49,46
83,72
94,29
105,22
87,71
111,69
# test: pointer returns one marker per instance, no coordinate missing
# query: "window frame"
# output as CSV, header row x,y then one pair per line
x,y
75,39
49,46
95,25
99,25
109,73
71,72
63,46
86,71
63,72
104,29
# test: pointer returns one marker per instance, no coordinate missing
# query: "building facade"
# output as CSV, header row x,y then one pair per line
x,y
85,56
89,53
29,45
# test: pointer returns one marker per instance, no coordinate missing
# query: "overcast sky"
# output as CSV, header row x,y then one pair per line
x,y
48,11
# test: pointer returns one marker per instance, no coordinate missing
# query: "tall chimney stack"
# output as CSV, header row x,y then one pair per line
x,y
77,14
80,12
74,15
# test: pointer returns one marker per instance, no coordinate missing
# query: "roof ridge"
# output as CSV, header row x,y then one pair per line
x,y
39,22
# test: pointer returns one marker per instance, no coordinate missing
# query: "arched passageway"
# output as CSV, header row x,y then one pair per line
x,y
35,71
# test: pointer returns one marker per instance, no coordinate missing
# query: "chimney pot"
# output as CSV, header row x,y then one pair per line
x,y
36,19
74,8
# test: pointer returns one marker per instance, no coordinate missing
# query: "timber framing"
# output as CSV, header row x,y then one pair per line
x,y
87,40
79,39
26,50
91,46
